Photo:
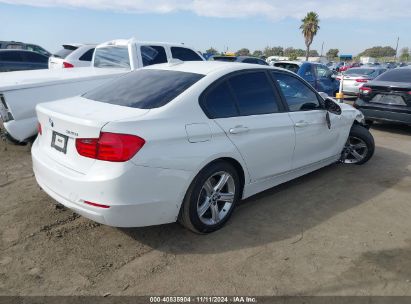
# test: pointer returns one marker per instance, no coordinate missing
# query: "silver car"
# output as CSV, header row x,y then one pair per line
x,y
355,78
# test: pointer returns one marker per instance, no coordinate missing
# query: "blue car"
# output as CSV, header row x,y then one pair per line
x,y
317,74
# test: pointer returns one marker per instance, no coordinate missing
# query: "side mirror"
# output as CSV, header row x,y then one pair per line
x,y
332,106
323,95
329,74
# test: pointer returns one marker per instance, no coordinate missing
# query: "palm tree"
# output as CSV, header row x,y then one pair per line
x,y
309,28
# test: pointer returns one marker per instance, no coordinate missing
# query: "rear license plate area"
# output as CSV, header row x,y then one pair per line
x,y
59,142
388,99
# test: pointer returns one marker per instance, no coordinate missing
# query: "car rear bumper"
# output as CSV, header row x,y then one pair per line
x,y
136,195
383,112
371,114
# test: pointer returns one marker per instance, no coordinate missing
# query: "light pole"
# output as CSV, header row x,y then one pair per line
x,y
396,48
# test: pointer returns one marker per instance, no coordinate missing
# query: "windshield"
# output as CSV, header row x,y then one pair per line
x,y
112,57
144,89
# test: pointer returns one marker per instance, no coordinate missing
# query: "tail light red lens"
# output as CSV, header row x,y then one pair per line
x,y
39,129
67,65
111,147
365,90
361,80
87,147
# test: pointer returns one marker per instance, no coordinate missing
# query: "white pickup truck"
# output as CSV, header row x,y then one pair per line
x,y
21,91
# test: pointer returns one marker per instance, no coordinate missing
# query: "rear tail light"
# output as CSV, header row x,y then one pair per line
x,y
110,146
67,65
365,90
409,92
361,80
39,129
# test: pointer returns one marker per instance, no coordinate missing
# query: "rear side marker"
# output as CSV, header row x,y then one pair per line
x,y
96,205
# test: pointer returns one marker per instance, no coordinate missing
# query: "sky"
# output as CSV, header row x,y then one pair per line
x,y
349,25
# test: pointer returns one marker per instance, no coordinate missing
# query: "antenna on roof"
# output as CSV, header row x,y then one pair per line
x,y
174,61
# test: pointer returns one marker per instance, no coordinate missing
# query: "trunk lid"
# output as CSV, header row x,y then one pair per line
x,y
65,120
391,90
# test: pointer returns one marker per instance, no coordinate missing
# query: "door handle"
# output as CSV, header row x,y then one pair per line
x,y
238,130
301,124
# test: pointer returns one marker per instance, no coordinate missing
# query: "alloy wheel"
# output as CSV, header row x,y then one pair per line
x,y
216,198
355,150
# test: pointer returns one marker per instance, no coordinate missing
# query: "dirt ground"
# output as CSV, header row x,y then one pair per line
x,y
343,230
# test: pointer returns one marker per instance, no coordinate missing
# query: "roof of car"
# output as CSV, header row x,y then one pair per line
x,y
125,42
208,67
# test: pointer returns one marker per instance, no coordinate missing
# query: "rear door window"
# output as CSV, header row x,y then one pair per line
x,y
87,56
144,89
298,95
112,57
153,54
254,93
185,54
219,103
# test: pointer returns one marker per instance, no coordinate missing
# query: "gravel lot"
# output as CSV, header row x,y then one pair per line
x,y
343,230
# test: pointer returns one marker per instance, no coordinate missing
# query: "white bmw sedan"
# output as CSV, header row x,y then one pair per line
x,y
187,141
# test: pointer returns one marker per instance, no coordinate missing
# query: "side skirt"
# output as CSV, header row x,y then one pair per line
x,y
261,185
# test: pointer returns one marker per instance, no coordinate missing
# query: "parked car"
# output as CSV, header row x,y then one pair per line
x,y
354,78
19,60
387,97
24,46
336,66
187,141
391,65
243,59
318,75
72,56
22,91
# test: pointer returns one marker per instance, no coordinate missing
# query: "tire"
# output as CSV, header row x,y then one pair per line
x,y
359,147
369,122
201,194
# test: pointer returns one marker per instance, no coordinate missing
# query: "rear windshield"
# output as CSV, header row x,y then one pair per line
x,y
144,89
65,51
359,72
396,75
288,66
112,57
